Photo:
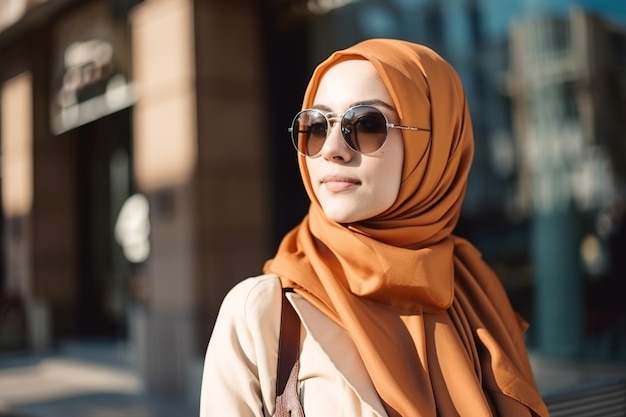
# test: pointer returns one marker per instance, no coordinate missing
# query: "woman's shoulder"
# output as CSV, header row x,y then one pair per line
x,y
254,298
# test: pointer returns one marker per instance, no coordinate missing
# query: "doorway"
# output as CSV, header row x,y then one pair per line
x,y
104,183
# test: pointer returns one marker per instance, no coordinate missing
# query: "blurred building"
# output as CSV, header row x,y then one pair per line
x,y
137,185
568,89
146,167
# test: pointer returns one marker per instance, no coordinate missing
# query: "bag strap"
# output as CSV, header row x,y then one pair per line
x,y
287,401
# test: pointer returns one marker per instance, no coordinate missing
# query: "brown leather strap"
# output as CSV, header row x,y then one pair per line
x,y
287,401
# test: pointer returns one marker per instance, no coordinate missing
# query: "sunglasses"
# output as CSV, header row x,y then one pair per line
x,y
364,129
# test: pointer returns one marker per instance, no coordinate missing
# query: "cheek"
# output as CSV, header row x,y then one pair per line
x,y
391,165
312,172
382,179
388,182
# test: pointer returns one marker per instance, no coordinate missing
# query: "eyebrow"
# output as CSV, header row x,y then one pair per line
x,y
358,103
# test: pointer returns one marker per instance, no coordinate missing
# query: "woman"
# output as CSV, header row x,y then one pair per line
x,y
399,316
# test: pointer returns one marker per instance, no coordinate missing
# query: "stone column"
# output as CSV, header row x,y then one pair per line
x,y
200,157
165,161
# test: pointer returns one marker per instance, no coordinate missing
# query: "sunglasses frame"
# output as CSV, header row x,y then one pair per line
x,y
329,127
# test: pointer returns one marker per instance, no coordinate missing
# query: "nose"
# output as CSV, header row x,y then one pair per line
x,y
335,147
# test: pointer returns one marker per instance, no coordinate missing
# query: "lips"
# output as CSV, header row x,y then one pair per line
x,y
336,183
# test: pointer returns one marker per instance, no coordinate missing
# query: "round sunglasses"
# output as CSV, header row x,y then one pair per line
x,y
364,129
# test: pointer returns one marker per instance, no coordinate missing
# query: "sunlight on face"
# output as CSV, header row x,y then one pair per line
x,y
350,186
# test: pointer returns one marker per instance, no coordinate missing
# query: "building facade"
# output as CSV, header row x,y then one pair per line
x,y
136,179
568,89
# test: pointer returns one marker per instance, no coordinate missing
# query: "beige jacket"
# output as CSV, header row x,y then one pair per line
x,y
240,366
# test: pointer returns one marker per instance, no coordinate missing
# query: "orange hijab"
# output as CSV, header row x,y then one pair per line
x,y
430,319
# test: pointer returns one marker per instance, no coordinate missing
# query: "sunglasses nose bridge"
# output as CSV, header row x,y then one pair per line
x,y
335,142
332,126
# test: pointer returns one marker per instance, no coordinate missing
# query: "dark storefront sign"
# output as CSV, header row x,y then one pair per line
x,y
293,12
90,67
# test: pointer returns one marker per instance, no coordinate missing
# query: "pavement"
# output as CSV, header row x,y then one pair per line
x,y
554,376
80,382
83,381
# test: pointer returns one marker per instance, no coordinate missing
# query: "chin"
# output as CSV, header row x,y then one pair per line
x,y
343,218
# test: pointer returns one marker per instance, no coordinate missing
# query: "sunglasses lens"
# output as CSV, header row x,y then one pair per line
x,y
364,129
308,131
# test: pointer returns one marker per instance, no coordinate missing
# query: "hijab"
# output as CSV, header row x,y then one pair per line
x,y
431,321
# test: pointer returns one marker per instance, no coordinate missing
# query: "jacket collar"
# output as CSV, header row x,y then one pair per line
x,y
337,351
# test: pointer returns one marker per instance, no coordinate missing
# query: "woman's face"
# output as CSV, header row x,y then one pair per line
x,y
351,186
